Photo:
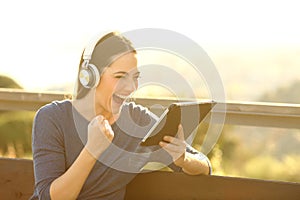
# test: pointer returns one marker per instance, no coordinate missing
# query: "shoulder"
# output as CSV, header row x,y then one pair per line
x,y
55,106
48,124
138,113
137,110
53,109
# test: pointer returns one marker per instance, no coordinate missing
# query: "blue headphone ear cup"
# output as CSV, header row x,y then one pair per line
x,y
89,76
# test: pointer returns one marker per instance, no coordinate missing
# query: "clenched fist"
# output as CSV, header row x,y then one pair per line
x,y
100,136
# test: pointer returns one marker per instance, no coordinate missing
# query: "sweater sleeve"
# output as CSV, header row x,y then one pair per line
x,y
199,155
48,150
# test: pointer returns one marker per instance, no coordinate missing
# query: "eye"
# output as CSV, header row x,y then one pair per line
x,y
136,77
120,76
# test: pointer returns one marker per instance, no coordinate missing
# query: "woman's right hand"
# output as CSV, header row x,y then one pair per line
x,y
100,136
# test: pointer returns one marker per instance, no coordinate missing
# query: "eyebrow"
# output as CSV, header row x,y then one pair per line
x,y
123,72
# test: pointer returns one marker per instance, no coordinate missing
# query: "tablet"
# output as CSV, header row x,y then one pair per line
x,y
188,114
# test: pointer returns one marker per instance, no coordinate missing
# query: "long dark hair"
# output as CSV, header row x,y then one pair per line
x,y
107,49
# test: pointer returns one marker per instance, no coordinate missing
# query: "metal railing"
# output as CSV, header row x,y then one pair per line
x,y
237,113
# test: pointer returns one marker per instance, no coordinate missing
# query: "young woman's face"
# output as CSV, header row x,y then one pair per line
x,y
117,82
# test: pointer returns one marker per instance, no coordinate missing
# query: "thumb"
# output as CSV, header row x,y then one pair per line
x,y
108,131
180,132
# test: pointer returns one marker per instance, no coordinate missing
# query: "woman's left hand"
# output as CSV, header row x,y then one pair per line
x,y
176,147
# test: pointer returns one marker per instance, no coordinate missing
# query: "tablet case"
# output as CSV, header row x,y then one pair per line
x,y
188,114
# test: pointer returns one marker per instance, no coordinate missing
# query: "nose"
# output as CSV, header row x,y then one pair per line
x,y
132,84
129,85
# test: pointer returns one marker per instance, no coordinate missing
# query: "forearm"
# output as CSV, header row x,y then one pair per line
x,y
68,186
194,166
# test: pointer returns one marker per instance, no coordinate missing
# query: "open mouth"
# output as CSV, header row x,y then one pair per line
x,y
118,98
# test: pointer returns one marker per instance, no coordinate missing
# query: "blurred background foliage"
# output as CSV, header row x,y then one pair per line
x,y
253,152
257,152
15,127
7,82
15,133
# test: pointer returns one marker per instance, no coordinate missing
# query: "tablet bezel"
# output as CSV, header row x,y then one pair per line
x,y
166,117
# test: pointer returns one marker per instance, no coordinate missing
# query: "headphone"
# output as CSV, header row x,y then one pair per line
x,y
89,75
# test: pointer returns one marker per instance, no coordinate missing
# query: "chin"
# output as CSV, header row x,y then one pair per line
x,y
116,109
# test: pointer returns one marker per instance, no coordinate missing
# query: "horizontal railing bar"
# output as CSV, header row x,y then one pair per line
x,y
239,113
16,99
263,114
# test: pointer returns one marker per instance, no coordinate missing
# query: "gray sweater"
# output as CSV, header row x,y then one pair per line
x,y
60,133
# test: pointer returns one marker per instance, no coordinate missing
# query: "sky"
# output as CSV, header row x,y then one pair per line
x,y
41,41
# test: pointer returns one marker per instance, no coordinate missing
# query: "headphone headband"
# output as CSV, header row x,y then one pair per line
x,y
89,49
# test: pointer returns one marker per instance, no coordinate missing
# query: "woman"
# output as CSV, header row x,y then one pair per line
x,y
88,148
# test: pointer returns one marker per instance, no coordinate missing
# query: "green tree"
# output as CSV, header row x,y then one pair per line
x,y
7,82
15,126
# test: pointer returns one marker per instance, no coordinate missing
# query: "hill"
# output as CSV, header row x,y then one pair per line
x,y
288,94
7,82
